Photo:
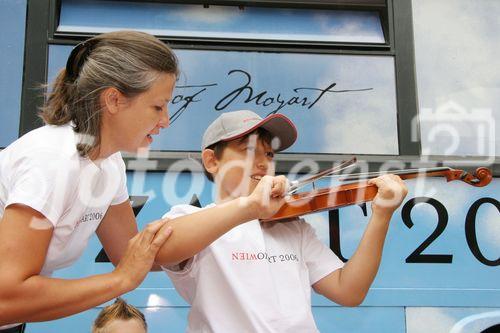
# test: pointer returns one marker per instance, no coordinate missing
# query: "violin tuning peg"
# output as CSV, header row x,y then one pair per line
x,y
363,208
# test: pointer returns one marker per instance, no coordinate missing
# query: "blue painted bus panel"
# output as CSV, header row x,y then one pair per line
x,y
360,319
452,320
13,16
458,87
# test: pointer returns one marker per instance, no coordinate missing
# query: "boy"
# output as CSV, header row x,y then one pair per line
x,y
120,317
258,276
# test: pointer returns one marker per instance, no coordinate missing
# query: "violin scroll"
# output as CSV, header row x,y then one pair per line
x,y
480,178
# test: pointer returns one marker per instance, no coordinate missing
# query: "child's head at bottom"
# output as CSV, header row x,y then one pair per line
x,y
120,317
238,150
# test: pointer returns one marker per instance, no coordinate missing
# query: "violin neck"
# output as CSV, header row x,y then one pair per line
x,y
404,174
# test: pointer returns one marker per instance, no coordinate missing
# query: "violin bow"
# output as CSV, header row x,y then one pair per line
x,y
481,177
297,184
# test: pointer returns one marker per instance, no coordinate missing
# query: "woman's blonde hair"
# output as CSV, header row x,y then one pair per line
x,y
119,310
129,61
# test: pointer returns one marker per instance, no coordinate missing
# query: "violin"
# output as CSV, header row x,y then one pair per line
x,y
360,192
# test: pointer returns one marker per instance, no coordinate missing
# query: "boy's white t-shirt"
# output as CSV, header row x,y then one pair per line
x,y
255,278
43,170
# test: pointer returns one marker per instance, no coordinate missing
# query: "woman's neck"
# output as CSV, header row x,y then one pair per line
x,y
101,152
105,148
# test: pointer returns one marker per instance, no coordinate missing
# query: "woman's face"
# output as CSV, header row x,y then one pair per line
x,y
141,117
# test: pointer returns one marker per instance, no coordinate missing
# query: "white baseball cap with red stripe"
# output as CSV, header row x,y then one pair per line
x,y
233,125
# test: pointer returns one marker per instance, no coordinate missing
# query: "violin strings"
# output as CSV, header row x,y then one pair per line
x,y
366,175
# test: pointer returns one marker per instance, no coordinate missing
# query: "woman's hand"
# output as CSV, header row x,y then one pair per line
x,y
268,196
391,192
141,252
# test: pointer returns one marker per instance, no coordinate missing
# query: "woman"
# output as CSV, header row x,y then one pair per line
x,y
63,181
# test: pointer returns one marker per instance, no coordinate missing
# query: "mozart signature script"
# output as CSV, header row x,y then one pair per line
x,y
246,93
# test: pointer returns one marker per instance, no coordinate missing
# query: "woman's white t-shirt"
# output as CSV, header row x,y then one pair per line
x,y
44,171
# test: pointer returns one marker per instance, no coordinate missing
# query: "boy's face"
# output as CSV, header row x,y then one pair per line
x,y
242,164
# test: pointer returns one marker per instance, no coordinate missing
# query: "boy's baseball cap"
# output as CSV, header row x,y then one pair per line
x,y
233,125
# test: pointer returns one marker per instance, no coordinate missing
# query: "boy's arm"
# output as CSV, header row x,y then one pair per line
x,y
192,233
349,285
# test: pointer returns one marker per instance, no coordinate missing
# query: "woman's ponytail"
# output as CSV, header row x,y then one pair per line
x,y
57,109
